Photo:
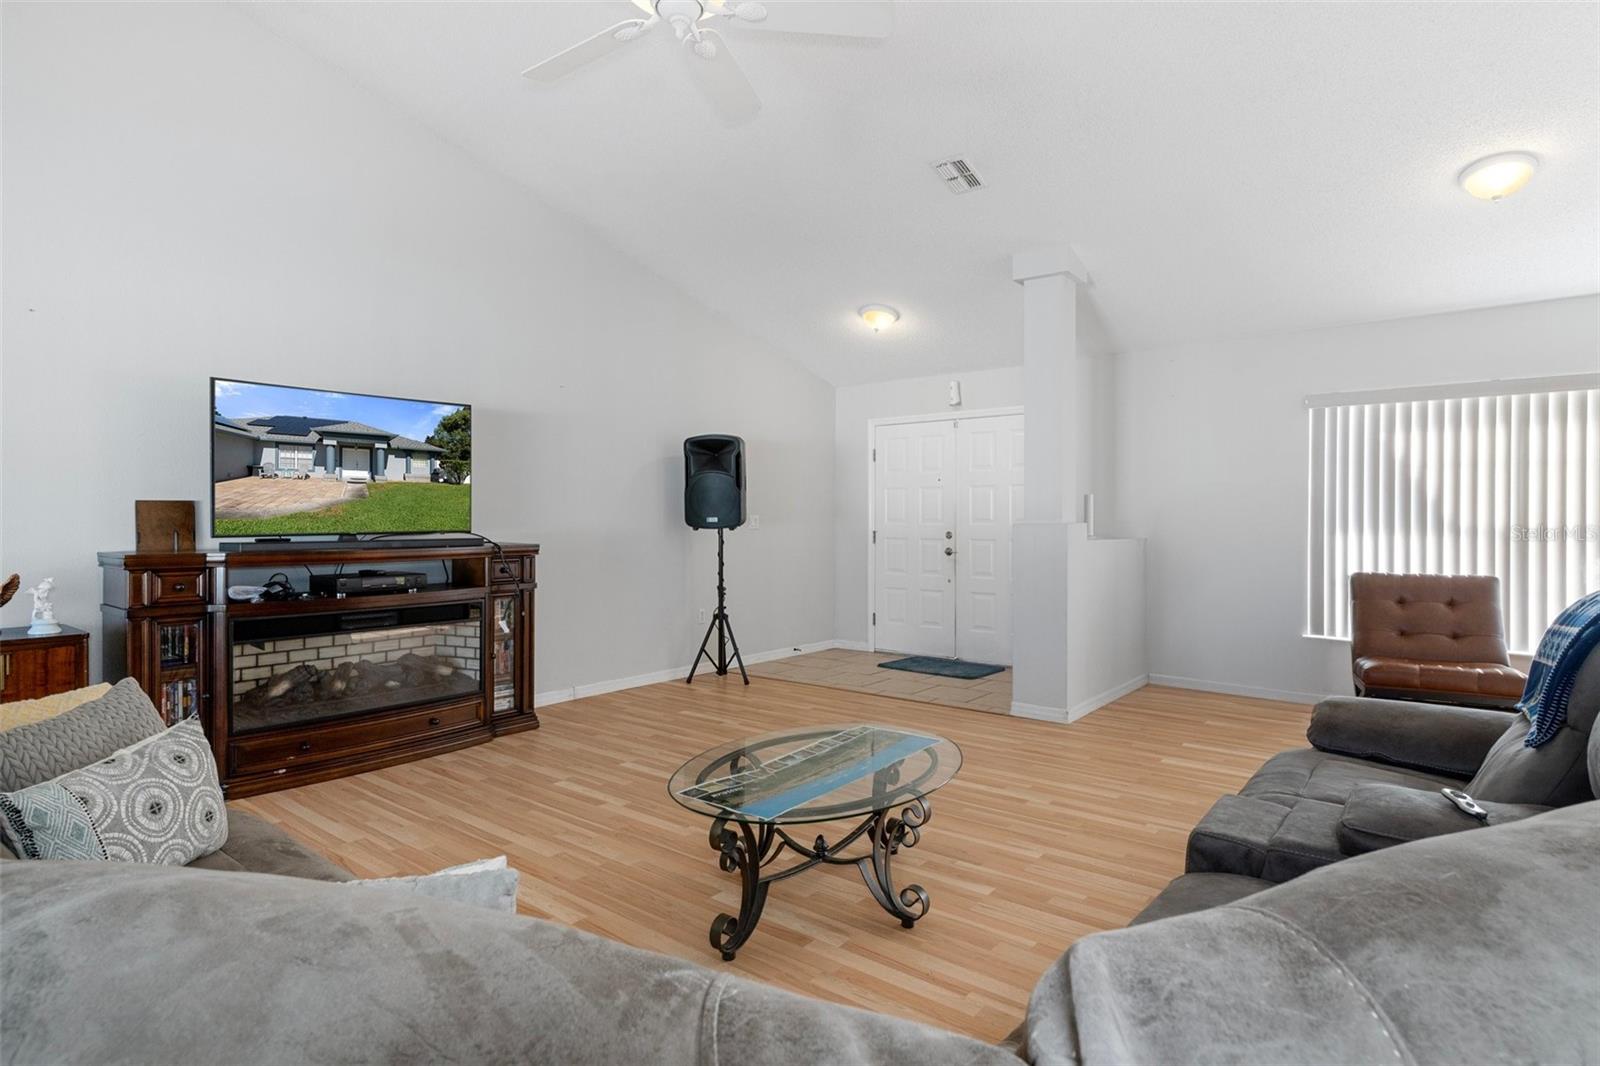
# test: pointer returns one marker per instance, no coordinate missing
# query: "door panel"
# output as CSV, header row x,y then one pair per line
x,y
915,522
989,475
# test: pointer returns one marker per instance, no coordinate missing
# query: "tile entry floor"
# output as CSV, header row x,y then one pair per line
x,y
859,671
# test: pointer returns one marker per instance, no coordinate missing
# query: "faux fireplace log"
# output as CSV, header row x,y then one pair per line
x,y
297,691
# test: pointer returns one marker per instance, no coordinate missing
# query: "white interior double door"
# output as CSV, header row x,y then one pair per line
x,y
944,496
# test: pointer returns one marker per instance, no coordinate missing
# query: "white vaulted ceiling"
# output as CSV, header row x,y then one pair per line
x,y
1222,169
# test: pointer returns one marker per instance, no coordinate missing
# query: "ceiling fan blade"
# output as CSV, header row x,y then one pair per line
x,y
731,95
835,18
601,44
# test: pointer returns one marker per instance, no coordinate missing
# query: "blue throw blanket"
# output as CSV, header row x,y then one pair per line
x,y
1562,651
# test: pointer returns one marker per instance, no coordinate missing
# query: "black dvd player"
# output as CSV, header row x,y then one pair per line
x,y
368,582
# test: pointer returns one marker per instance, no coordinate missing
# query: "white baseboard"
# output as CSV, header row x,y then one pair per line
x,y
676,673
1064,715
600,688
1039,713
1229,689
1110,695
786,653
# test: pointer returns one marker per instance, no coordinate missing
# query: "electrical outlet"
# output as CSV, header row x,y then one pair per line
x,y
755,521
702,615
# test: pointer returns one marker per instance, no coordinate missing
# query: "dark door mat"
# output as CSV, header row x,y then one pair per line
x,y
927,664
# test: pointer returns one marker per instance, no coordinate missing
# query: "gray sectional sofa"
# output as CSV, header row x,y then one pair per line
x,y
1372,776
1468,946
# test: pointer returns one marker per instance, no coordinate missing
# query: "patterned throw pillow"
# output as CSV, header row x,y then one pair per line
x,y
45,750
157,801
28,712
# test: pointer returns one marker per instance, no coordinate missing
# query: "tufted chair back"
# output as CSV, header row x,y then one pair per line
x,y
1434,618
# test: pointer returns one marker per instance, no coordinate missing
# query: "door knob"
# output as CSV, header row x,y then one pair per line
x,y
949,551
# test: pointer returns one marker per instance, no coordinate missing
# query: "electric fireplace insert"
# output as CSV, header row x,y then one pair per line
x,y
299,669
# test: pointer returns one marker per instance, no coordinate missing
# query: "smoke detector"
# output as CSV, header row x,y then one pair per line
x,y
958,175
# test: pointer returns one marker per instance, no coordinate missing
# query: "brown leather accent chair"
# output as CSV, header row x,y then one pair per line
x,y
1431,637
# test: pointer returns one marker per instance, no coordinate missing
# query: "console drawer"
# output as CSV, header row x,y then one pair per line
x,y
281,750
168,587
511,570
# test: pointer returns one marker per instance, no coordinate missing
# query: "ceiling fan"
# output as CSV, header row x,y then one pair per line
x,y
711,65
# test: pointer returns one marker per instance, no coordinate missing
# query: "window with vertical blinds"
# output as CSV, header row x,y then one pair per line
x,y
1502,479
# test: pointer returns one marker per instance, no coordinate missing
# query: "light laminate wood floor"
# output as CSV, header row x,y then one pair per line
x,y
859,671
1048,833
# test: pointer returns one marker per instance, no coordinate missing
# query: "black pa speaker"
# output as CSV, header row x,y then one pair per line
x,y
713,481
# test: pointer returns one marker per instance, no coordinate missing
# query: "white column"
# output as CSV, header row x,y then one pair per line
x,y
1050,278
1039,596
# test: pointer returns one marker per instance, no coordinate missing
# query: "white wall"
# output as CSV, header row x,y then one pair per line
x,y
1105,620
187,195
1211,462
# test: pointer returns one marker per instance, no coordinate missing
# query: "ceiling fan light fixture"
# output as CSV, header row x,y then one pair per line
x,y
712,67
682,8
879,316
1496,177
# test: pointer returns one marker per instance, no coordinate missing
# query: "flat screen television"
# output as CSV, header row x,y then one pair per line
x,y
292,461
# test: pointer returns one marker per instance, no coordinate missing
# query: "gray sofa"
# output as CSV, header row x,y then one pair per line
x,y
1481,946
1372,776
1470,947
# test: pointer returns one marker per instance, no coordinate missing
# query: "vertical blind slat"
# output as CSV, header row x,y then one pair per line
x,y
1506,485
1402,488
1369,487
1330,549
1573,448
1502,506
1315,574
1591,492
1533,515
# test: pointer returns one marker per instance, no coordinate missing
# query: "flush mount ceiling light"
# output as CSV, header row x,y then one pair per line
x,y
879,316
1495,177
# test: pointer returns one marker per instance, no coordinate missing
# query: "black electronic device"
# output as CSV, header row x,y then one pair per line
x,y
713,498
368,582
713,481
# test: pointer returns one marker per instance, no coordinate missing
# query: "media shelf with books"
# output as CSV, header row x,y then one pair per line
x,y
180,699
179,645
179,650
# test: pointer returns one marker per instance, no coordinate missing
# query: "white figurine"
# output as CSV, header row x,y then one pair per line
x,y
44,612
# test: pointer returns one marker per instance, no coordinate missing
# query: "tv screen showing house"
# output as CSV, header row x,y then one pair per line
x,y
288,461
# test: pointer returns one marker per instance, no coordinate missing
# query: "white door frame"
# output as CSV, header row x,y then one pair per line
x,y
872,490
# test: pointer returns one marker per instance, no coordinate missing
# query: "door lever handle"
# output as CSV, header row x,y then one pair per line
x,y
949,551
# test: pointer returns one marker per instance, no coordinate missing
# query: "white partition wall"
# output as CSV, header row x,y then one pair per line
x,y
1078,603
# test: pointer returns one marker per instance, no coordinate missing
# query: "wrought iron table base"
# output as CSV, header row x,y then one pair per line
x,y
752,848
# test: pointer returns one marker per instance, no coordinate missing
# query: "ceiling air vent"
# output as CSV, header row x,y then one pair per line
x,y
958,175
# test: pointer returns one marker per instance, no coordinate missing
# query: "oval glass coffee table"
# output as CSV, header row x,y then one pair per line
x,y
757,789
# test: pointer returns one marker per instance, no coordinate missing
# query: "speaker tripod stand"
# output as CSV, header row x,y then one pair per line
x,y
723,629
